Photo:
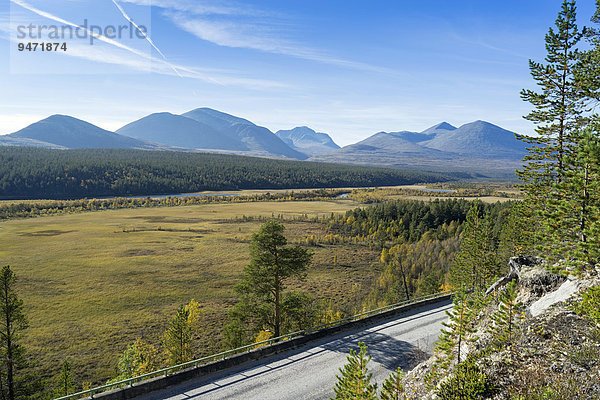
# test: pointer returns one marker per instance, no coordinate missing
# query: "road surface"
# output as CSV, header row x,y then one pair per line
x,y
310,371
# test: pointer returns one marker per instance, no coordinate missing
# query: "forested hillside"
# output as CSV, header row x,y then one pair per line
x,y
29,173
419,241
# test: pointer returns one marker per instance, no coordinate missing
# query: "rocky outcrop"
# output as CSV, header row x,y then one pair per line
x,y
555,353
532,273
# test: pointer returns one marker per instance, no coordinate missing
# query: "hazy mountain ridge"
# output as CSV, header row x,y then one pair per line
x,y
180,131
479,146
475,146
257,140
68,132
308,141
478,138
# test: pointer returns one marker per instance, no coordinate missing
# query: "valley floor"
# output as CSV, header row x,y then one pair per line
x,y
93,282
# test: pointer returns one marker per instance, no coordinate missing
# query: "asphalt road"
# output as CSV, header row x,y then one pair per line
x,y
310,371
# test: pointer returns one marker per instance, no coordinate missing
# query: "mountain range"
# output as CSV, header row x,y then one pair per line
x,y
476,146
207,129
62,131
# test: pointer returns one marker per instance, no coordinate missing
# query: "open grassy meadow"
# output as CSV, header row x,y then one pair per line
x,y
92,282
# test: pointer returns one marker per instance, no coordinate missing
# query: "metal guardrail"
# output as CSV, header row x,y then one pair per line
x,y
221,356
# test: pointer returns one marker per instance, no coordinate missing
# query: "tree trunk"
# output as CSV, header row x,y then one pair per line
x,y
460,332
404,280
584,203
277,332
9,349
277,316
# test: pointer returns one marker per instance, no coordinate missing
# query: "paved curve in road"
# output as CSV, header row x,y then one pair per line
x,y
310,371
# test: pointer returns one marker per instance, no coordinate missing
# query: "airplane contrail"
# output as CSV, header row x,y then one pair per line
x,y
128,18
93,34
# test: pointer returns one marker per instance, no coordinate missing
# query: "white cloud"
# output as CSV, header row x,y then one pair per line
x,y
204,7
234,25
143,32
258,37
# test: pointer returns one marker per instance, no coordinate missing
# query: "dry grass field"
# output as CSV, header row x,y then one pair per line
x,y
92,282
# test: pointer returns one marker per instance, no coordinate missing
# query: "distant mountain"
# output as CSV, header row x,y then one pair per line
x,y
214,118
392,149
307,140
73,133
200,129
477,146
180,131
442,127
479,138
258,140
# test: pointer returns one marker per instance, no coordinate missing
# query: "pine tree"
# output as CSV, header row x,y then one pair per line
x,y
261,289
588,67
299,311
477,263
13,322
392,387
573,218
458,329
467,383
178,337
65,384
517,234
558,106
354,383
558,109
504,318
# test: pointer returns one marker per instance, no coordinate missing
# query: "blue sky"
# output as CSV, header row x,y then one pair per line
x,y
348,68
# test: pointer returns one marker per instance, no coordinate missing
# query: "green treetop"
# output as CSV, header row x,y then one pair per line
x,y
354,381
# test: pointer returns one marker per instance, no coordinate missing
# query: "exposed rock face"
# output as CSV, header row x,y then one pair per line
x,y
531,272
555,352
